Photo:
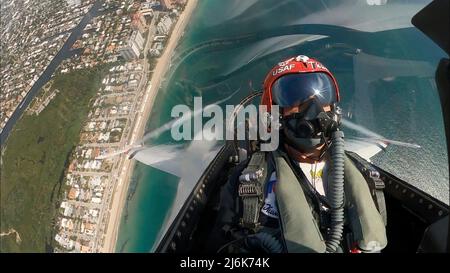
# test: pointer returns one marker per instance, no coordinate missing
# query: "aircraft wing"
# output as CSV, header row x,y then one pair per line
x,y
183,162
364,149
372,143
188,163
163,157
368,147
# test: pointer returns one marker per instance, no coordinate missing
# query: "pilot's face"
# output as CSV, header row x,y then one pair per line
x,y
286,111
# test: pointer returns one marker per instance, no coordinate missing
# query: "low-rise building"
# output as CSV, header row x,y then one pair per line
x,y
73,193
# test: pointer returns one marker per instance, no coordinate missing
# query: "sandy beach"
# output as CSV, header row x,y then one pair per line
x,y
126,169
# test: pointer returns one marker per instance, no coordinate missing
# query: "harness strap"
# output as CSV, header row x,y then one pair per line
x,y
378,187
251,190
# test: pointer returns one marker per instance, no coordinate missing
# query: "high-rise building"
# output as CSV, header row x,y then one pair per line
x,y
134,46
73,3
128,53
164,25
136,37
141,20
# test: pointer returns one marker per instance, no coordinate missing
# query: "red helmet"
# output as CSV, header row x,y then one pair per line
x,y
298,79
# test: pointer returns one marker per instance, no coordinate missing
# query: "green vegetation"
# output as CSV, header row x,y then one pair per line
x,y
35,158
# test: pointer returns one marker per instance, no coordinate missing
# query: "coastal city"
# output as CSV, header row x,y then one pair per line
x,y
40,34
40,30
127,37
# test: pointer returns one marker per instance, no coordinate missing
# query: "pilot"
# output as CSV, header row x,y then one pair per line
x,y
307,196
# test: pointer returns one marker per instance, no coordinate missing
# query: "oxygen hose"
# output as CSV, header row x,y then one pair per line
x,y
264,241
336,195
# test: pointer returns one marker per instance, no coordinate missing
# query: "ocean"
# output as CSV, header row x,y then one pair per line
x,y
384,66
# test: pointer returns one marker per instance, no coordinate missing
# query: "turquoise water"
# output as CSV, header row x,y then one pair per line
x,y
384,66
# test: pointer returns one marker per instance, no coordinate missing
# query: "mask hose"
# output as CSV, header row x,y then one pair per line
x,y
264,241
336,194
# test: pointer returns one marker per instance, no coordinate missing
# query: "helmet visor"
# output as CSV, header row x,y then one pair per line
x,y
294,89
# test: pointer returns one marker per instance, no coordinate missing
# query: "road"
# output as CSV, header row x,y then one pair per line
x,y
129,137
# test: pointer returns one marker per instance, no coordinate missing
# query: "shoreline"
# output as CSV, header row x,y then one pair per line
x,y
138,128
